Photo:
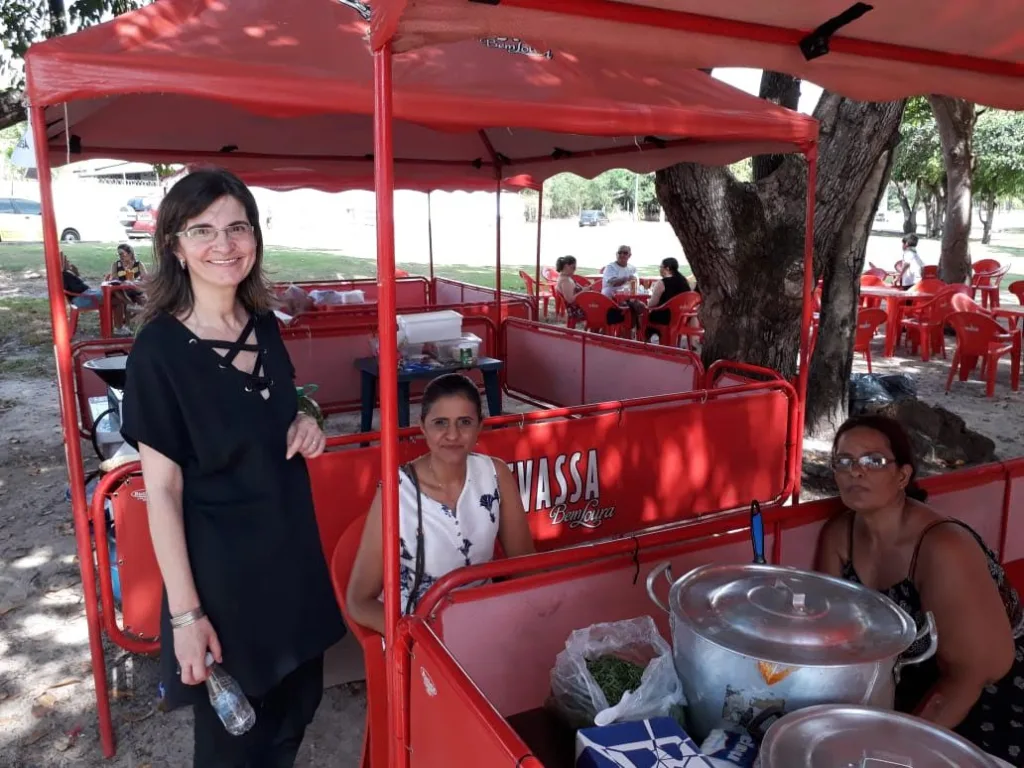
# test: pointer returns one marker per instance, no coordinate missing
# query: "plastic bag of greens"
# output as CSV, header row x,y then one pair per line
x,y
616,672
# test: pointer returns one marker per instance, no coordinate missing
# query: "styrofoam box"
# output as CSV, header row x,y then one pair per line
x,y
429,327
450,349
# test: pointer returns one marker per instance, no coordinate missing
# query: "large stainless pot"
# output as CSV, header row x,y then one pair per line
x,y
749,640
862,737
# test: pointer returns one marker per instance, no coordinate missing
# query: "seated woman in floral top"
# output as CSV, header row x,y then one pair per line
x,y
453,505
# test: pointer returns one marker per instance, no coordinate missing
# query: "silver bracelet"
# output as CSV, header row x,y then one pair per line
x,y
189,617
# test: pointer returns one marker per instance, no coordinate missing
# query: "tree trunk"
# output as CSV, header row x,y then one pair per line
x,y
987,214
955,120
783,90
909,208
745,245
936,209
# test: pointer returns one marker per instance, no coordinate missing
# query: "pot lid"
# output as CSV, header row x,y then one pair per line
x,y
828,736
793,617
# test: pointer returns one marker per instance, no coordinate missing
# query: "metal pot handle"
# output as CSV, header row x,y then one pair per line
x,y
656,571
929,630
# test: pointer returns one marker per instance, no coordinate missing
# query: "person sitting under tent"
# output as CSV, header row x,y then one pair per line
x,y
568,288
672,284
81,295
453,505
889,539
618,276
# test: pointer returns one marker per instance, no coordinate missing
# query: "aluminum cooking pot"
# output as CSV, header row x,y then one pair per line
x,y
753,640
863,737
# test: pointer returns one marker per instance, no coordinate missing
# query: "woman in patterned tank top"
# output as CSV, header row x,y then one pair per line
x,y
453,505
889,540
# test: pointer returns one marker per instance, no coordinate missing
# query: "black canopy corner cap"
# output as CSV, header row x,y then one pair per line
x,y
478,163
75,144
486,2
654,140
816,45
561,154
228,148
503,160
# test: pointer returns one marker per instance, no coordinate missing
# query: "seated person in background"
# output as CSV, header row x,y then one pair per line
x,y
453,504
568,288
671,285
912,264
127,268
889,540
619,275
82,295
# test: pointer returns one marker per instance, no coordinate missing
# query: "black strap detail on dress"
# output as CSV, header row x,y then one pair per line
x,y
936,524
257,381
410,601
853,519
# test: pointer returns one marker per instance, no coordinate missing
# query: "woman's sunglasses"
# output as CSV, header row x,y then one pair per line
x,y
872,462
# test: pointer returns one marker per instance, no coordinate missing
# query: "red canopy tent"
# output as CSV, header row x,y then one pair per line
x,y
232,82
887,50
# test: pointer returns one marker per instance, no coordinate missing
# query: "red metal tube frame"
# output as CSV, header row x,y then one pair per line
x,y
384,178
72,445
744,31
97,514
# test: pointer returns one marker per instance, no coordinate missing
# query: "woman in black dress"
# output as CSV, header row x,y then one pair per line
x,y
210,403
890,540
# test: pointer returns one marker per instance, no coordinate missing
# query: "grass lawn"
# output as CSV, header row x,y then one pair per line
x,y
282,264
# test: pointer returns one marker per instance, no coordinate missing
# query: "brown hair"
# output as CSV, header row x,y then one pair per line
x,y
169,287
899,442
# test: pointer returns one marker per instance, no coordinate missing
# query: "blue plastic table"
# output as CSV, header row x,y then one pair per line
x,y
370,373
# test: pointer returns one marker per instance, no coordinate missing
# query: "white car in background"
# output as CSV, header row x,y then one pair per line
x,y
21,220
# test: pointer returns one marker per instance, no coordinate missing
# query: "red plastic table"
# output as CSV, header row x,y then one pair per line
x,y
894,300
107,307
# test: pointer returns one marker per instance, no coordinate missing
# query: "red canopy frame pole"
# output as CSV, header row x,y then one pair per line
x,y
540,217
430,238
497,260
387,330
72,444
805,320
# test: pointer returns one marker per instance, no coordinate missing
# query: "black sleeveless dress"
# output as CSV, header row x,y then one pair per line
x,y
996,722
250,528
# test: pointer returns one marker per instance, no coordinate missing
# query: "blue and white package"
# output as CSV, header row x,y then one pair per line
x,y
656,743
730,749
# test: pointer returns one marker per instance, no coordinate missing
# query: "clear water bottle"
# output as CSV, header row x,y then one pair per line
x,y
230,704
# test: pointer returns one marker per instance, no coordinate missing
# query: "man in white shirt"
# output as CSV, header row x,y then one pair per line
x,y
618,276
912,264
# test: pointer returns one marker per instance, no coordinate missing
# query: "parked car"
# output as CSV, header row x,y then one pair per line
x,y
22,219
138,216
593,218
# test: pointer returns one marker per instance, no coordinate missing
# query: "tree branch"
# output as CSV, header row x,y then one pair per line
x,y
12,107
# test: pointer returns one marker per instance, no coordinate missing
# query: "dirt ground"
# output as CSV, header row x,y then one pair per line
x,y
47,713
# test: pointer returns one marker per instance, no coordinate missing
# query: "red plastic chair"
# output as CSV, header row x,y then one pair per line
x,y
930,271
868,321
873,281
596,307
74,312
546,295
988,283
682,309
928,285
583,281
1017,289
873,271
963,303
549,274
980,337
375,742
925,326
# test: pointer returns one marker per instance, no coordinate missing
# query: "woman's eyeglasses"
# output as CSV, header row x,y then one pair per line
x,y
872,462
206,235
